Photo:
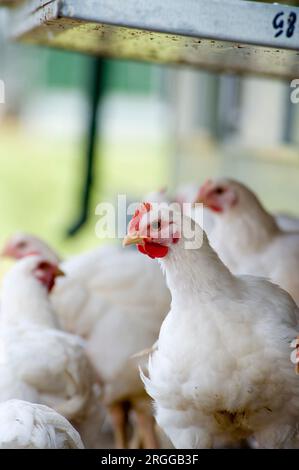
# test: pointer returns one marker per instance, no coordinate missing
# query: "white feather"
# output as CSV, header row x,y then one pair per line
x,y
222,371
26,425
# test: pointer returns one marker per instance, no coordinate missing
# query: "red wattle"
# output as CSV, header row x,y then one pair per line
x,y
47,280
141,249
153,250
215,208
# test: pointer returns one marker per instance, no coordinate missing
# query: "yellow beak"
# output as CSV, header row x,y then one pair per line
x,y
133,239
59,272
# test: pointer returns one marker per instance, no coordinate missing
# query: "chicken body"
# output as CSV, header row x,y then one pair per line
x,y
38,361
117,301
25,425
105,298
222,370
248,239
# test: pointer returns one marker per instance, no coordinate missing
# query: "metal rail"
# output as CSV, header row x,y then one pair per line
x,y
220,35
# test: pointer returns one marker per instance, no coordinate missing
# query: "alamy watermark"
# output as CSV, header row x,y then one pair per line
x,y
158,222
294,96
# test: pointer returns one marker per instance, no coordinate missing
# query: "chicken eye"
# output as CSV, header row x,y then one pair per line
x,y
156,225
44,266
22,245
219,191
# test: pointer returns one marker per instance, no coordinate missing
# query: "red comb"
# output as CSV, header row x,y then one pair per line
x,y
135,221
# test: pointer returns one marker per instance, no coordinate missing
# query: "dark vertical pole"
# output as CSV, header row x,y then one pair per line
x,y
95,90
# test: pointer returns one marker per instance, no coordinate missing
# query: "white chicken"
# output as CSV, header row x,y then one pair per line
x,y
25,425
39,362
247,238
221,371
190,193
105,297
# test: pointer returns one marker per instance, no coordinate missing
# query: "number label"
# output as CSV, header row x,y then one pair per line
x,y
283,25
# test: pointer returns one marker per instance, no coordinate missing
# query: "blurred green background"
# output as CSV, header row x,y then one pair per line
x,y
41,173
